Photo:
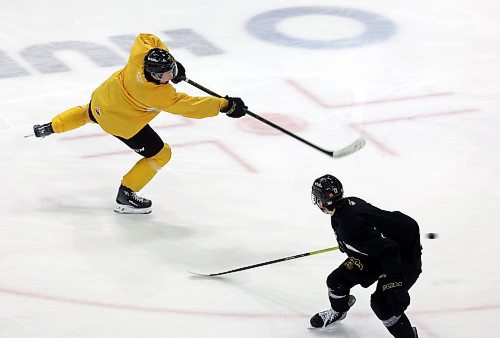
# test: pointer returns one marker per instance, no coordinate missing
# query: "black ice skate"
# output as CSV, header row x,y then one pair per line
x,y
129,203
43,130
328,317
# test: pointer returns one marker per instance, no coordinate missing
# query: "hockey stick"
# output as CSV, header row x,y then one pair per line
x,y
347,150
267,263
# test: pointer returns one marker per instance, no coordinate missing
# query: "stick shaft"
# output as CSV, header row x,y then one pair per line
x,y
203,88
275,261
260,118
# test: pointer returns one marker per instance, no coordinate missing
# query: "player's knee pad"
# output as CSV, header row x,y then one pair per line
x,y
380,307
161,158
335,283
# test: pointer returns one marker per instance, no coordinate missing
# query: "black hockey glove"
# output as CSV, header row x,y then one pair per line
x,y
235,108
395,293
181,73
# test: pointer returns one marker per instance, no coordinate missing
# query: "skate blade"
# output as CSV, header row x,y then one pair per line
x,y
125,209
329,327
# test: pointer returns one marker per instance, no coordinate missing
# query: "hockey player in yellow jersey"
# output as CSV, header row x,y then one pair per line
x,y
128,100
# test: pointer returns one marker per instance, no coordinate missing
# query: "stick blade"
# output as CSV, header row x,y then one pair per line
x,y
349,149
202,275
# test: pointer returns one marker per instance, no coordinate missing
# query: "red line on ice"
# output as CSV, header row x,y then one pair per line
x,y
353,104
146,309
184,123
360,126
216,143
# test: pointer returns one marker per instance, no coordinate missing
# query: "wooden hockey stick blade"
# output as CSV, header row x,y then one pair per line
x,y
197,274
351,148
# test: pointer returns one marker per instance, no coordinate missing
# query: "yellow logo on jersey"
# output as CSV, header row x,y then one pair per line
x,y
140,77
352,263
392,285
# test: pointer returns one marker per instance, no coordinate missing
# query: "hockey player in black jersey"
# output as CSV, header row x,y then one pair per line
x,y
383,247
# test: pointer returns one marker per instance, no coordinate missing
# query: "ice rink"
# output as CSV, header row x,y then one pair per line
x,y
419,80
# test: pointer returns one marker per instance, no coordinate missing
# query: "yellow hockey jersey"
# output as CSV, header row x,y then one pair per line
x,y
126,102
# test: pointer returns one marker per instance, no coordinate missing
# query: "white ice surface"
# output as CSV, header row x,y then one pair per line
x,y
235,194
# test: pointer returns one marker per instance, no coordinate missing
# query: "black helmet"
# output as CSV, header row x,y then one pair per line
x,y
159,61
326,191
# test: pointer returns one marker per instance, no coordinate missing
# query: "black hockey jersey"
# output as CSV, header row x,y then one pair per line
x,y
384,237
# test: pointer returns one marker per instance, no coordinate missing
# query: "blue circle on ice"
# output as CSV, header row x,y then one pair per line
x,y
376,27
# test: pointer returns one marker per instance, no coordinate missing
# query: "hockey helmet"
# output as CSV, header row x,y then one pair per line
x,y
158,61
326,191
